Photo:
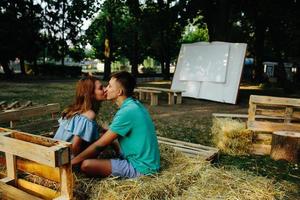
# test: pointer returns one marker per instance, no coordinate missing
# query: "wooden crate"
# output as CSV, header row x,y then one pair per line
x,y
191,149
35,114
44,157
268,114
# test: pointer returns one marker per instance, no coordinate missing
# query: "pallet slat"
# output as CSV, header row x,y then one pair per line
x,y
277,101
8,192
34,152
272,126
17,115
191,149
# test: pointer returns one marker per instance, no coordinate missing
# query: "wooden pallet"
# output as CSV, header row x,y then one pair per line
x,y
14,115
269,114
16,105
44,157
191,149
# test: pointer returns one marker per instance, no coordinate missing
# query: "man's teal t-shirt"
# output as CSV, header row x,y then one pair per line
x,y
137,136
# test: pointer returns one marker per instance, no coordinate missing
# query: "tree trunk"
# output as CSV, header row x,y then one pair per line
x,y
167,69
134,60
286,146
22,66
259,46
216,15
107,49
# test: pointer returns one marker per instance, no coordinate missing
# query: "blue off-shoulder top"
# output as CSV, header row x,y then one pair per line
x,y
80,125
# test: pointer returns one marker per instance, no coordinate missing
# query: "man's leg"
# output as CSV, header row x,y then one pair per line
x,y
96,167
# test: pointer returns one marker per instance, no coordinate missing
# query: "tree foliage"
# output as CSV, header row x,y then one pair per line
x,y
20,22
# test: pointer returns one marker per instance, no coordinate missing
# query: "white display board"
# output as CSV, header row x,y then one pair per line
x,y
204,62
217,91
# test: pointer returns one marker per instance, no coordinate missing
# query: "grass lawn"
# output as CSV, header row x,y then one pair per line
x,y
190,121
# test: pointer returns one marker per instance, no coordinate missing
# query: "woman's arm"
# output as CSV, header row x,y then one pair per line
x,y
77,145
94,149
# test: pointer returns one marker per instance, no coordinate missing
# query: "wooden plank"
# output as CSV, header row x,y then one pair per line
x,y
62,154
14,104
36,169
7,180
278,101
230,115
263,137
8,192
260,149
296,115
11,166
66,187
32,151
37,190
251,110
179,98
154,99
184,147
35,139
170,98
242,116
37,125
288,114
161,89
147,91
272,126
29,112
187,143
27,104
269,112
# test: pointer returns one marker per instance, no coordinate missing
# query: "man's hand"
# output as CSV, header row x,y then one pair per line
x,y
94,149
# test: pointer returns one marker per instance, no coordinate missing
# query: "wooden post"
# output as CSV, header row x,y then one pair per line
x,y
286,146
288,114
171,98
154,99
11,167
178,98
141,95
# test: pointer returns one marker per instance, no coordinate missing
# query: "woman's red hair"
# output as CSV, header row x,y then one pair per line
x,y
84,99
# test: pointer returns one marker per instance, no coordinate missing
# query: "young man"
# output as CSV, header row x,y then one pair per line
x,y
134,129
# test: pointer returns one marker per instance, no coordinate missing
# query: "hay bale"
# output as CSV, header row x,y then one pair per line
x,y
231,136
182,178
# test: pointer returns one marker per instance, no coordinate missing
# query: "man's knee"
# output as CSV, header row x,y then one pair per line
x,y
85,165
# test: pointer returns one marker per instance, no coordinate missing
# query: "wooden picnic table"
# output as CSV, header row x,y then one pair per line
x,y
171,94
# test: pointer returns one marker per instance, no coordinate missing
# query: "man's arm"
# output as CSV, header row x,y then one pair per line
x,y
95,148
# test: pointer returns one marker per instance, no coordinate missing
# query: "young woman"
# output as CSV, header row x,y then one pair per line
x,y
77,123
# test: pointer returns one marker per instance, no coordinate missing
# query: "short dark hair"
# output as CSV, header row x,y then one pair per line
x,y
127,81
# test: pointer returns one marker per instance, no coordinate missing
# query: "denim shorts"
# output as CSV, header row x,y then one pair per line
x,y
122,168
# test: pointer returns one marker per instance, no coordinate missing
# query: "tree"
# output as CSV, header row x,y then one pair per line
x,y
162,28
102,34
195,31
19,32
63,23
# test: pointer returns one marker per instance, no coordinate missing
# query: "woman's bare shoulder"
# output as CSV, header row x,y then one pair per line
x,y
90,114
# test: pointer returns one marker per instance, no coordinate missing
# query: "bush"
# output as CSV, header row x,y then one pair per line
x,y
148,70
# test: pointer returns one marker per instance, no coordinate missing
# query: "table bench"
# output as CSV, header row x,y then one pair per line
x,y
171,94
143,95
